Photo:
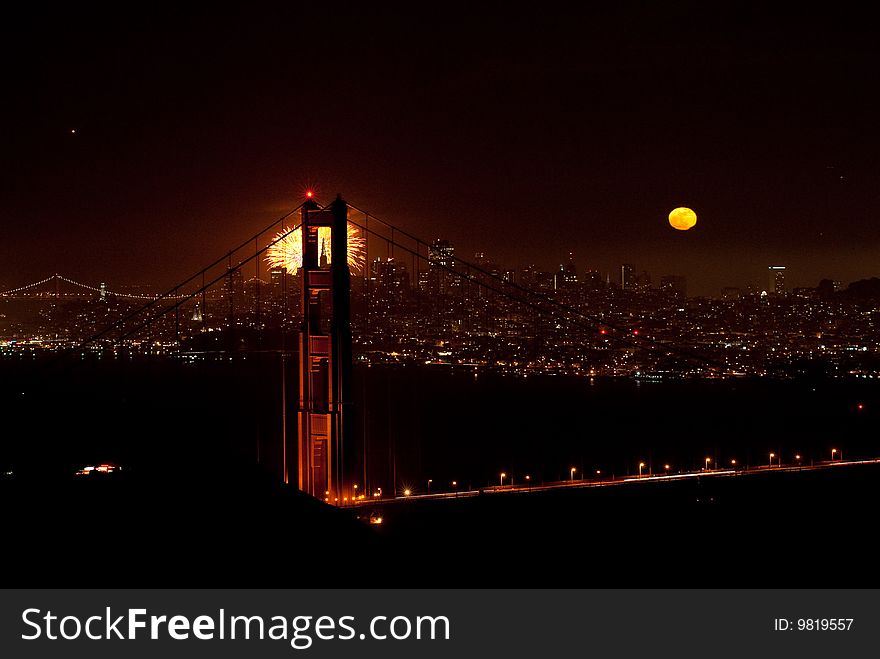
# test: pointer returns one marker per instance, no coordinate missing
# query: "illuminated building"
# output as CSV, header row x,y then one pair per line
x,y
593,279
392,280
628,277
674,285
567,275
535,279
441,278
777,279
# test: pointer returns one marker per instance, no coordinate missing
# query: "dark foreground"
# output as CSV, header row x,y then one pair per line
x,y
150,530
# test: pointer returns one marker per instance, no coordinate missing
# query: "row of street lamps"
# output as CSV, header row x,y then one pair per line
x,y
836,454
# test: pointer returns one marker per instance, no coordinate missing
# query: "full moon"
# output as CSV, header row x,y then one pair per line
x,y
682,219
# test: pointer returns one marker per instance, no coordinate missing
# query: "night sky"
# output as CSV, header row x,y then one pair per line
x,y
524,135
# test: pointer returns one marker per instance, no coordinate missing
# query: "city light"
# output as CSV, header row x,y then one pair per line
x,y
507,291
103,468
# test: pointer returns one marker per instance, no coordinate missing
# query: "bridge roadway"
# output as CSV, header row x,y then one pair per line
x,y
610,482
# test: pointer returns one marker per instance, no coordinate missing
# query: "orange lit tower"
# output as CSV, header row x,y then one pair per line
x,y
324,354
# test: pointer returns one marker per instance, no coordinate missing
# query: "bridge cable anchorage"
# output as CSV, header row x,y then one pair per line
x,y
559,310
184,297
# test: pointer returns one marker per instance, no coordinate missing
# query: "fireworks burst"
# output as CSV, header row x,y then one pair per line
x,y
287,252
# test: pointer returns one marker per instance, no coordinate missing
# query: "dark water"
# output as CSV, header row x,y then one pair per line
x,y
453,426
195,508
421,423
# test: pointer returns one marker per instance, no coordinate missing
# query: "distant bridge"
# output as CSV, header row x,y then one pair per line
x,y
50,288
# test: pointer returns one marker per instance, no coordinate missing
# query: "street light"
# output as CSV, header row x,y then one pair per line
x,y
708,460
503,476
641,466
572,472
454,483
429,484
772,455
406,492
733,462
833,452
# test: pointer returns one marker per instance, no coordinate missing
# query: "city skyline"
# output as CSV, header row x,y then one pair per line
x,y
702,284
759,119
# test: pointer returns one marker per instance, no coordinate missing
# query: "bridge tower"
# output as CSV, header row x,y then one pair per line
x,y
323,461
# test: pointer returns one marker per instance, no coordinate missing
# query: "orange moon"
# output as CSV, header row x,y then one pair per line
x,y
682,219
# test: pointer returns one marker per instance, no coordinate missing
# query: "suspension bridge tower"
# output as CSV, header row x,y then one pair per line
x,y
324,462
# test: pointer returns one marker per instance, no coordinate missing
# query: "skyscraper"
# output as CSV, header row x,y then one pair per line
x,y
441,266
392,280
777,279
674,285
627,277
566,277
